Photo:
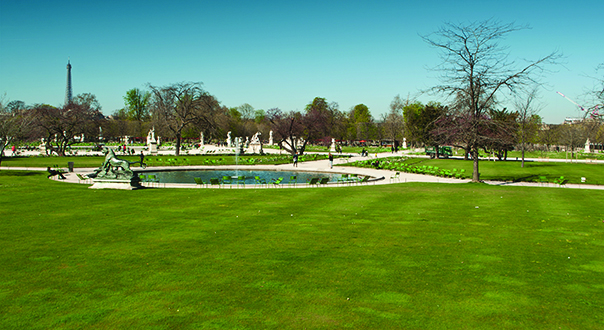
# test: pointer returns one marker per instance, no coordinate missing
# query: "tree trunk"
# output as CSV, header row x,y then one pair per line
x,y
522,165
475,173
177,152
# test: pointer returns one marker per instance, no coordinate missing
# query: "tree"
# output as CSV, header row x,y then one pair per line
x,y
573,136
329,114
137,104
182,104
500,136
15,121
393,121
476,66
247,111
288,128
410,113
60,125
88,101
423,124
362,122
294,127
548,135
527,115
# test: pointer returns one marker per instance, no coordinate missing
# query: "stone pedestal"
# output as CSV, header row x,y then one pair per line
x,y
153,148
116,184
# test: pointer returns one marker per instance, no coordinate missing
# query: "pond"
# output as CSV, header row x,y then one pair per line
x,y
184,176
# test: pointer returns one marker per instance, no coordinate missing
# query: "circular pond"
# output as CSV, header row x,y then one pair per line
x,y
188,176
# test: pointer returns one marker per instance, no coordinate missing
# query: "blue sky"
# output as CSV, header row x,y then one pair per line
x,y
278,54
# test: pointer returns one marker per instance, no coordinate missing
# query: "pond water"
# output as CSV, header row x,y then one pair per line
x,y
269,176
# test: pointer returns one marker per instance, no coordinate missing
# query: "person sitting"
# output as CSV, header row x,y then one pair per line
x,y
52,173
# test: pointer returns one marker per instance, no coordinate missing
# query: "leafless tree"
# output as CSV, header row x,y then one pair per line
x,y
573,136
527,109
294,127
476,65
182,104
59,126
393,121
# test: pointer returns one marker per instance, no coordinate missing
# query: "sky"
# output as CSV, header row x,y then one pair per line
x,y
281,54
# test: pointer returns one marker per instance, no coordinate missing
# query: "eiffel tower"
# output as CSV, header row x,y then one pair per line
x,y
68,92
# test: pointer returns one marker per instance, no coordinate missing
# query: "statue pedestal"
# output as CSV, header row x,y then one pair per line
x,y
116,184
255,148
153,148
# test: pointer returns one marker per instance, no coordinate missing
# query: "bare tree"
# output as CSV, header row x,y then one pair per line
x,y
527,109
182,104
393,121
475,65
60,125
293,128
573,136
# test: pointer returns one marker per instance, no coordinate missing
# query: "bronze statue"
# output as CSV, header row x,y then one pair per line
x,y
115,168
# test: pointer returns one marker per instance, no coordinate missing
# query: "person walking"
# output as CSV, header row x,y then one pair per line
x,y
330,160
296,159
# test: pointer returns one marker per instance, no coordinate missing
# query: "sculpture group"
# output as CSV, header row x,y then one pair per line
x,y
115,173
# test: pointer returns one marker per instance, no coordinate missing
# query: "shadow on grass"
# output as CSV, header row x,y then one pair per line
x,y
20,173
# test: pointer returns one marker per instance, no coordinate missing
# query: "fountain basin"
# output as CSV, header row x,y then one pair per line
x,y
187,175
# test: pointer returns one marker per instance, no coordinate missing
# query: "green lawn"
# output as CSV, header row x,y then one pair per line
x,y
510,170
410,256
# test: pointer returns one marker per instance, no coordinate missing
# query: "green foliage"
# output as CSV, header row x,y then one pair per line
x,y
413,256
360,113
137,104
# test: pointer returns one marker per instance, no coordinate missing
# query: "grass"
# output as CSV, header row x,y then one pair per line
x,y
511,170
413,256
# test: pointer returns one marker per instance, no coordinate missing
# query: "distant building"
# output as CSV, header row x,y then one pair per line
x,y
570,120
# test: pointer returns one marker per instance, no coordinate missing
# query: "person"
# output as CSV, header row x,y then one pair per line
x,y
296,159
363,152
142,157
13,149
330,160
52,173
392,148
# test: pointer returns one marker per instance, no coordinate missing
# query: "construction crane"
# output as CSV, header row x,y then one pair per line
x,y
593,111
